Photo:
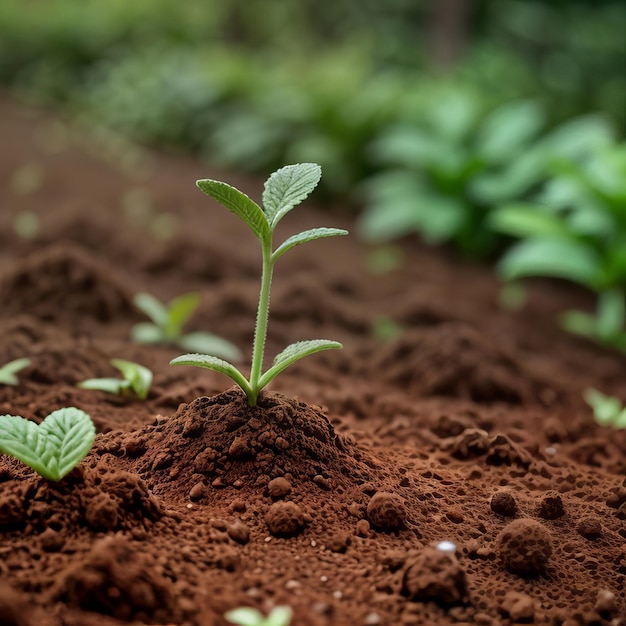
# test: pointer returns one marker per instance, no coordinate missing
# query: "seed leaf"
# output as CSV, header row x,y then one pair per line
x,y
9,370
215,364
179,311
154,309
139,378
238,203
114,386
527,220
53,448
293,353
146,333
303,237
287,187
206,343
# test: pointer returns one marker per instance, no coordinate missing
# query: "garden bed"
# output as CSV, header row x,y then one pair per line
x,y
333,494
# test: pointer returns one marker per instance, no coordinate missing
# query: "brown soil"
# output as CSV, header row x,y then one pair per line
x,y
334,494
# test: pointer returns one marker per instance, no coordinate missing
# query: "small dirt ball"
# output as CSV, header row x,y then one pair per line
x,y
285,519
503,503
386,511
436,576
589,528
551,506
524,546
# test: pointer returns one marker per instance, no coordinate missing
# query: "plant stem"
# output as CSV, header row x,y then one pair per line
x,y
260,332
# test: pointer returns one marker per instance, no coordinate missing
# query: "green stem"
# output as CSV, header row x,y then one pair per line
x,y
260,332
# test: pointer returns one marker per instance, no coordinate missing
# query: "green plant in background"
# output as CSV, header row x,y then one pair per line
x,y
136,379
247,616
54,447
607,411
443,173
167,326
576,231
9,370
284,190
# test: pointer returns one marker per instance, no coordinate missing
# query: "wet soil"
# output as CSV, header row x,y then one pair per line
x,y
444,471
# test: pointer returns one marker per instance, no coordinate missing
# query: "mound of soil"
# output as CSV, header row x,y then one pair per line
x,y
448,474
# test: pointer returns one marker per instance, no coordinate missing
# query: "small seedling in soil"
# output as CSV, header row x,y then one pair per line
x,y
54,447
137,379
246,616
607,411
9,370
167,326
284,189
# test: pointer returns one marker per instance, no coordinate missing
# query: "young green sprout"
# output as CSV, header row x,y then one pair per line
x,y
136,379
246,616
607,410
9,370
54,447
284,189
167,324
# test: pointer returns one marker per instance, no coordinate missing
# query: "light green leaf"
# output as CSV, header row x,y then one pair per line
x,y
206,343
215,364
288,187
607,410
179,310
9,370
147,333
579,323
138,376
293,353
245,616
528,220
279,616
611,313
239,204
53,448
556,258
114,386
154,309
303,237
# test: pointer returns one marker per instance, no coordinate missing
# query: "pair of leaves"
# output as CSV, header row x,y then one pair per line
x,y
247,616
136,379
54,447
608,411
167,326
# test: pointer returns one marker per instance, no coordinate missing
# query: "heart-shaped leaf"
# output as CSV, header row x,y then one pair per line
x,y
52,449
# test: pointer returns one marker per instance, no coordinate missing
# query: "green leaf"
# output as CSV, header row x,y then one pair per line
x,y
607,410
215,364
114,386
610,315
147,333
570,260
245,616
528,220
138,377
288,187
206,343
239,204
9,370
154,309
279,616
579,323
303,237
53,448
293,353
179,310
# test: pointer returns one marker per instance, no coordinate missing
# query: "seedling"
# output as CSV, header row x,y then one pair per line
x,y
607,411
9,370
167,326
284,189
54,447
136,379
246,616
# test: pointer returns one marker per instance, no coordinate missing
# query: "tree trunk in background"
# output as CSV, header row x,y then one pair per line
x,y
449,30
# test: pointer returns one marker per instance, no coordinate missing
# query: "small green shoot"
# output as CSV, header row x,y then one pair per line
x,y
136,379
247,616
284,189
9,370
607,410
167,327
54,447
